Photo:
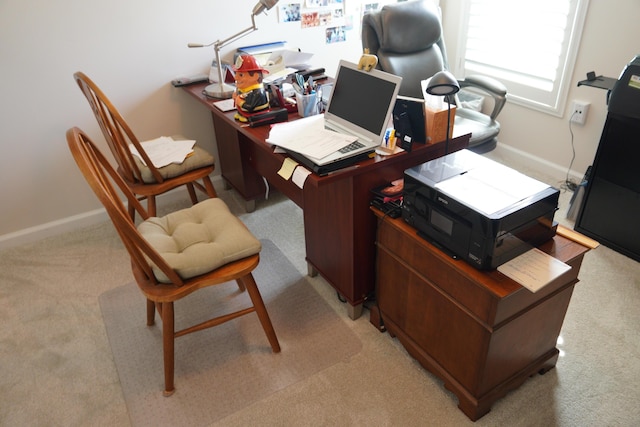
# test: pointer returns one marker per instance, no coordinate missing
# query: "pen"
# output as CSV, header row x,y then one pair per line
x,y
300,83
310,84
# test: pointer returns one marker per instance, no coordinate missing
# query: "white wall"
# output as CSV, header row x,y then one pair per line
x,y
133,49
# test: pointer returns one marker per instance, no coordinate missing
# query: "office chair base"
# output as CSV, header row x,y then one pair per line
x,y
484,147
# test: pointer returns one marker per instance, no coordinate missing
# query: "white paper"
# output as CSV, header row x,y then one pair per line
x,y
534,269
279,74
164,150
308,137
290,58
490,190
300,176
226,104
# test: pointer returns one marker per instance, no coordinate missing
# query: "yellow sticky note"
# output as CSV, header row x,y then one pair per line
x,y
288,166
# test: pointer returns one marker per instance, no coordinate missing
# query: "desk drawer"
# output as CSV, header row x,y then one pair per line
x,y
431,319
441,271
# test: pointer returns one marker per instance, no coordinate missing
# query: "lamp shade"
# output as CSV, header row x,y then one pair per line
x,y
443,83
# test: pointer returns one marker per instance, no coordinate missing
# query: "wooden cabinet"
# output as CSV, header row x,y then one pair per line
x,y
480,332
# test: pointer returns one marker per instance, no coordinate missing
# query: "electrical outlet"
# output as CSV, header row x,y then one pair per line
x,y
579,112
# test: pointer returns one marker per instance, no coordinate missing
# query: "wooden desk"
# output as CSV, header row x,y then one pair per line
x,y
480,332
339,228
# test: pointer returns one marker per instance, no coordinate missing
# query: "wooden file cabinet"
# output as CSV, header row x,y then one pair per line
x,y
480,332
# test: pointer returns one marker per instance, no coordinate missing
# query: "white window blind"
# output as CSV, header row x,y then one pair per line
x,y
528,45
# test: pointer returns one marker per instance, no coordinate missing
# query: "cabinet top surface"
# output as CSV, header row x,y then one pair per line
x,y
559,247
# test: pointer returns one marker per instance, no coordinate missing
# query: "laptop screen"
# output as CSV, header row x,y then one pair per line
x,y
361,102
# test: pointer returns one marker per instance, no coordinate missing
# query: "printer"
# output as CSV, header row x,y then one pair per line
x,y
477,209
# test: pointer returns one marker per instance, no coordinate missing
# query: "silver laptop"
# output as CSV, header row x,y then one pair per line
x,y
361,104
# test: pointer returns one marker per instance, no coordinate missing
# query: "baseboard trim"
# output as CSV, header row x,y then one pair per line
x,y
536,167
520,160
53,228
77,222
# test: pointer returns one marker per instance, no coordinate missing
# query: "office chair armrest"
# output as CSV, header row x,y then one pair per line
x,y
491,86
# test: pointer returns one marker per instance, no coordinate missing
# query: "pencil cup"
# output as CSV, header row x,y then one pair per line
x,y
307,104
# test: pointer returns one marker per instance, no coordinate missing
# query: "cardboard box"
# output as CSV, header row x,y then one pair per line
x,y
436,123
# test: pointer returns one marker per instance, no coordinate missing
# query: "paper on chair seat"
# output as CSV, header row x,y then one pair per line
x,y
308,137
165,150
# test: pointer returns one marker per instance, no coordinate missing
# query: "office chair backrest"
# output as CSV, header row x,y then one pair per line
x,y
407,38
105,183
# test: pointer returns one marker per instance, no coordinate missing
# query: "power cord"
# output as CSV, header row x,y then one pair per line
x,y
569,184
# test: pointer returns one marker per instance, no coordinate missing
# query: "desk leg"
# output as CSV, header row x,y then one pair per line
x,y
233,157
354,311
311,270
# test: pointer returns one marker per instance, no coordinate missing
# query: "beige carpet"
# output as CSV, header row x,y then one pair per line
x,y
58,368
222,370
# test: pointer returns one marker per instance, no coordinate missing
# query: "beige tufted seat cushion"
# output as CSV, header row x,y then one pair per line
x,y
199,159
199,239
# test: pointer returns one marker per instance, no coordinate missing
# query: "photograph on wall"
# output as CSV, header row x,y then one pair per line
x,y
367,7
331,14
310,19
325,17
290,12
316,3
335,35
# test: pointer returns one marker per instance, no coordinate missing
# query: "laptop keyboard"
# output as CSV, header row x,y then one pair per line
x,y
353,146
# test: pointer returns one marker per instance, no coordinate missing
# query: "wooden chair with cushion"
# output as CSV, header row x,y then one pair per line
x,y
178,254
143,178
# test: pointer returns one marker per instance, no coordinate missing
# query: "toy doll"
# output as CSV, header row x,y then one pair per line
x,y
250,96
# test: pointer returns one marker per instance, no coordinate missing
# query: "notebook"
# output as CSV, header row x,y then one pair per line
x,y
361,104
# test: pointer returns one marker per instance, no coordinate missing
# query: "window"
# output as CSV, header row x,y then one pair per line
x,y
529,46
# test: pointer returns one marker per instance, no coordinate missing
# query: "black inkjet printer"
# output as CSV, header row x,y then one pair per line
x,y
477,209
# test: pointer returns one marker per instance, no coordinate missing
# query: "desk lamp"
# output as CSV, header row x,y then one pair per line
x,y
443,83
221,89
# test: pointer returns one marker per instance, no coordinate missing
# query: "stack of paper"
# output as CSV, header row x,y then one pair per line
x,y
282,63
165,150
308,137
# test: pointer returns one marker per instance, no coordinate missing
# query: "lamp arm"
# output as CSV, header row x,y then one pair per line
x,y
222,43
221,91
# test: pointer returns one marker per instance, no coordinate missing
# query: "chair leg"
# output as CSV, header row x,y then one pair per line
x,y
241,285
192,193
151,312
151,205
211,191
132,211
168,340
261,311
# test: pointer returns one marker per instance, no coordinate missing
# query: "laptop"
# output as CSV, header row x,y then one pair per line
x,y
361,105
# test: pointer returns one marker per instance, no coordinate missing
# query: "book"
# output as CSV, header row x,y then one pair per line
x,y
262,47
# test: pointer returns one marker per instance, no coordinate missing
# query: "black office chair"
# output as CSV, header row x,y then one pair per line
x,y
408,41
